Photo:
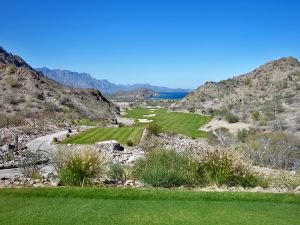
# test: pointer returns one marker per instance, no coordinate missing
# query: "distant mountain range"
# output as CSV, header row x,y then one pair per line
x,y
84,80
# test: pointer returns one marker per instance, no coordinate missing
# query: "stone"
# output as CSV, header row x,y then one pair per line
x,y
297,189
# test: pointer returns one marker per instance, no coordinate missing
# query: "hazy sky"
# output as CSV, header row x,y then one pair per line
x,y
163,42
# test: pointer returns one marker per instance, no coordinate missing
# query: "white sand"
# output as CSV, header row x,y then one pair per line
x,y
144,120
232,127
149,115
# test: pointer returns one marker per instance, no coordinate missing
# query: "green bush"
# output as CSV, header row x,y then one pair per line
x,y
116,172
191,109
225,167
78,168
11,69
164,168
242,135
255,115
3,120
248,81
14,83
154,129
130,143
230,118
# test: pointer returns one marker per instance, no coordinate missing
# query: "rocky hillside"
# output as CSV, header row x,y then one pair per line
x,y
84,80
268,96
29,94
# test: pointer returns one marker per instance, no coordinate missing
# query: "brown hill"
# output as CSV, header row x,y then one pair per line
x,y
29,94
268,96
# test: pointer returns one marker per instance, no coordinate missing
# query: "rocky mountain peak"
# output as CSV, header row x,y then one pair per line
x,y
8,58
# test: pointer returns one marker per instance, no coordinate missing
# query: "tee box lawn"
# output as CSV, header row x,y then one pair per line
x,y
93,206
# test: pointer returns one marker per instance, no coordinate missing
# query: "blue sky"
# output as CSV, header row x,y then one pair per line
x,y
164,42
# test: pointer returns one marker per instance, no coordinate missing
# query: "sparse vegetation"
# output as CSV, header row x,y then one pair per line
x,y
242,135
255,115
10,120
117,172
274,150
11,69
13,82
230,118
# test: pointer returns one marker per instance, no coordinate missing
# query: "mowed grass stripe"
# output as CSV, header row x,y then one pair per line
x,y
86,134
120,134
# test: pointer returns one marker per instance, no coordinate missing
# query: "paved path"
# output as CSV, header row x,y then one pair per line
x,y
41,144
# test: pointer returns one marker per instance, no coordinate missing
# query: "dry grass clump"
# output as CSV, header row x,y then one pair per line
x,y
276,150
78,167
226,167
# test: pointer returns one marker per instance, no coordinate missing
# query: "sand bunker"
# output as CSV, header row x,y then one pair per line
x,y
149,115
232,127
153,109
144,120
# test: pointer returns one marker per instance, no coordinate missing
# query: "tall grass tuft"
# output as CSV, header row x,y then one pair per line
x,y
164,168
78,167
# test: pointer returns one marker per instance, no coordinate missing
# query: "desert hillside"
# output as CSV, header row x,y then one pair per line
x,y
269,96
28,94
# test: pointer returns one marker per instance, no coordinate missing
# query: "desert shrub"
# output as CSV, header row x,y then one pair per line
x,y
164,168
230,118
242,135
263,120
117,172
31,165
226,167
220,112
277,150
191,109
255,115
221,137
10,99
153,129
3,120
130,143
279,107
122,125
68,135
12,82
248,81
51,107
283,84
78,167
283,179
210,111
11,69
14,120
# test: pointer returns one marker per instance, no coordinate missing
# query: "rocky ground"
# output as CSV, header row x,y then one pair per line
x,y
12,152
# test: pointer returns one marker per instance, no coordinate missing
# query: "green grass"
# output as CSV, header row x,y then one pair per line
x,y
120,134
172,122
107,206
